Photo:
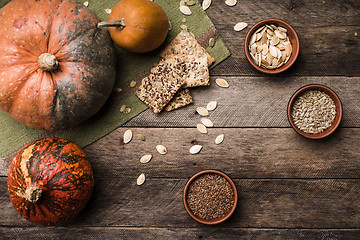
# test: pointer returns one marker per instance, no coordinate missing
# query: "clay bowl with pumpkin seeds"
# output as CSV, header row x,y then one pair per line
x,y
210,197
272,46
314,111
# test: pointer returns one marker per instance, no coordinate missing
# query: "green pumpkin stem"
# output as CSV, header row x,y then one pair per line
x,y
33,193
119,23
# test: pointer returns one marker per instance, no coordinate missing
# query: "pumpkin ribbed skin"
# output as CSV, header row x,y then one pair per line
x,y
82,82
62,172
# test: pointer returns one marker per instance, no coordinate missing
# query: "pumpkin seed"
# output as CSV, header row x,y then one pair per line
x,y
140,180
206,4
222,83
240,26
185,10
132,84
146,158
127,136
190,3
127,110
231,2
202,111
219,139
211,42
122,108
207,122
108,10
161,149
86,4
201,128
195,149
141,137
211,105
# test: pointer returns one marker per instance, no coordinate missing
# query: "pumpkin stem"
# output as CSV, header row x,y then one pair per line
x,y
48,62
119,23
33,193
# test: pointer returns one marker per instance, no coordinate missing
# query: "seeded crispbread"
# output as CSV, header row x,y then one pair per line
x,y
157,89
181,99
186,49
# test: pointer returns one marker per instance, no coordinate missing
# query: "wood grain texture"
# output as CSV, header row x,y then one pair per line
x,y
245,153
254,102
201,232
328,44
263,203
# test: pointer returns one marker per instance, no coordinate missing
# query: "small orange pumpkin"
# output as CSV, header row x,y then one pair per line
x,y
137,25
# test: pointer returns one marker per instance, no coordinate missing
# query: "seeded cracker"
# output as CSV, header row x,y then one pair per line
x,y
185,48
157,89
181,99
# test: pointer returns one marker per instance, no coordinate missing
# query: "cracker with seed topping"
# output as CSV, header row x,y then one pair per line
x,y
185,48
157,89
181,99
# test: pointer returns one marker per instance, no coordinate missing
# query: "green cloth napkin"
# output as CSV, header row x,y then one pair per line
x,y
130,67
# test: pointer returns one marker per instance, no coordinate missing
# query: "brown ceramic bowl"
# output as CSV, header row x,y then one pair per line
x,y
293,37
338,107
217,220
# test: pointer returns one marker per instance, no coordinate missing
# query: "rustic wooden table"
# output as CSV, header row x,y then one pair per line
x,y
289,187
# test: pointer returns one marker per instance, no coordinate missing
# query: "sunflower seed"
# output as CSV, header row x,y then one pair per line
x,y
219,139
240,26
201,128
141,137
185,10
108,10
282,29
127,136
211,42
206,4
140,180
161,149
146,158
211,105
132,84
202,111
122,108
222,83
86,4
195,149
207,122
231,2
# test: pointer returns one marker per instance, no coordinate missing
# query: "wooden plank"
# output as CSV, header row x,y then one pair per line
x,y
245,153
329,45
201,232
254,102
263,203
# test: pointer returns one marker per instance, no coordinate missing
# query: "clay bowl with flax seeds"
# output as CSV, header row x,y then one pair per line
x,y
210,197
327,95
284,62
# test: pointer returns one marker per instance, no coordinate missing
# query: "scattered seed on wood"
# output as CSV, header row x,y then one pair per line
x,y
140,180
170,26
122,108
117,90
195,149
146,158
132,84
141,137
231,3
207,122
127,110
190,3
211,42
219,139
222,83
184,20
211,105
127,136
201,128
108,10
161,149
202,111
240,26
86,4
185,10
206,4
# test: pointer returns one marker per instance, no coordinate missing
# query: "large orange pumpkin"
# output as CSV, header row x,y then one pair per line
x,y
56,67
50,180
138,25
